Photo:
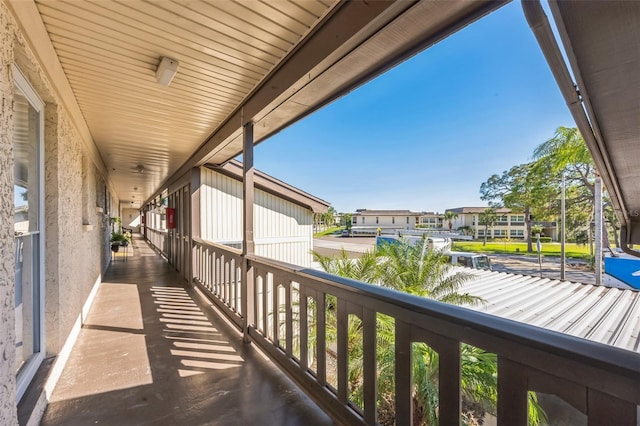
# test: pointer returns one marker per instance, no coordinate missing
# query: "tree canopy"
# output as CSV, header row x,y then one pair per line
x,y
526,188
534,188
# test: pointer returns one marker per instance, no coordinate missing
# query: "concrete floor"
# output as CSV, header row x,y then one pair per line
x,y
153,352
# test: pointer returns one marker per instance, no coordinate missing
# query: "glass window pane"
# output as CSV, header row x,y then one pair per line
x,y
26,154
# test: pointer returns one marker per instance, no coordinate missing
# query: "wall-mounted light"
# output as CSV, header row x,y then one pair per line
x,y
167,69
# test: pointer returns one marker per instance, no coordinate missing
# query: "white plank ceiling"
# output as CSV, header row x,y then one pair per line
x,y
110,50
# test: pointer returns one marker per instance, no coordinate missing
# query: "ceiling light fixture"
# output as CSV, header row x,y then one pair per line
x,y
166,70
140,168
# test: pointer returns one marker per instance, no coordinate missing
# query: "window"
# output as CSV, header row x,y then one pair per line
x,y
517,218
363,220
28,184
393,220
499,233
407,220
354,220
516,233
377,220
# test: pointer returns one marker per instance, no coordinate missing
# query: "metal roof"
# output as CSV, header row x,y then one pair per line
x,y
602,314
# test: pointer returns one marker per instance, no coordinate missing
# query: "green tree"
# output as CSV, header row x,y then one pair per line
x,y
449,216
525,188
347,220
329,218
414,270
466,230
488,218
566,152
423,272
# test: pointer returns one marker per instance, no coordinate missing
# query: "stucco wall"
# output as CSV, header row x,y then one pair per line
x,y
76,232
7,327
77,235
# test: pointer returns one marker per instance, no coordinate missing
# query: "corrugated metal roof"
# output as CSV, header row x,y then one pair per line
x,y
603,314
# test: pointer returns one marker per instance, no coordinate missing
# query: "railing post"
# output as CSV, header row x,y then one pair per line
x,y
370,382
512,393
608,410
248,243
449,382
404,408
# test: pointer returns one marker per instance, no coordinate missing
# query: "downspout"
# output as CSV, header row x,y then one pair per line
x,y
543,32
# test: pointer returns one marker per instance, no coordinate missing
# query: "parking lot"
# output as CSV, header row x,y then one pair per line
x,y
576,270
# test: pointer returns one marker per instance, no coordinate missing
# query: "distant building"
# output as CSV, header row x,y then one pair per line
x,y
431,220
510,224
367,222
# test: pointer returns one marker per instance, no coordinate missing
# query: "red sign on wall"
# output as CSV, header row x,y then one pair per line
x,y
171,218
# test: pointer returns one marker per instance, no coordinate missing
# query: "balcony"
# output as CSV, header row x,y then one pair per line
x,y
137,349
152,351
171,352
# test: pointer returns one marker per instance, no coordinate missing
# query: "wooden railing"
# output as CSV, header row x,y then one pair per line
x,y
159,240
287,316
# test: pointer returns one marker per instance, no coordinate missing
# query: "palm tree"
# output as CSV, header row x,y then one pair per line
x,y
449,216
329,218
423,272
415,270
567,152
488,218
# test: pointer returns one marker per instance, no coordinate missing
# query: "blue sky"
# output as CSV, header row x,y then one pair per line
x,y
426,134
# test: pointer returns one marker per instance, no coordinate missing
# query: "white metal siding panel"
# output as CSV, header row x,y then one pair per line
x,y
282,230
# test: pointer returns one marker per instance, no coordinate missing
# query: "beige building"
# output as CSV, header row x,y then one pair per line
x,y
367,222
431,220
509,225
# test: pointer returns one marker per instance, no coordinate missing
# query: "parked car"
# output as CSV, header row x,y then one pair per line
x,y
470,260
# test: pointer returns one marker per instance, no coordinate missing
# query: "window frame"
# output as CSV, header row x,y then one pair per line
x,y
27,372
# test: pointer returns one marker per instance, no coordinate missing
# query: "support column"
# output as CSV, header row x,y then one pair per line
x,y
194,223
563,227
248,243
598,230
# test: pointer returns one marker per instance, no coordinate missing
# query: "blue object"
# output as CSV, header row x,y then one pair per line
x,y
626,270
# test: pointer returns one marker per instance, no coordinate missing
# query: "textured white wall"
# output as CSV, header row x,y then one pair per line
x,y
282,230
75,256
7,287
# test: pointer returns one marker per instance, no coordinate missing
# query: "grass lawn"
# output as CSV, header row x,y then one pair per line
x,y
328,231
512,247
